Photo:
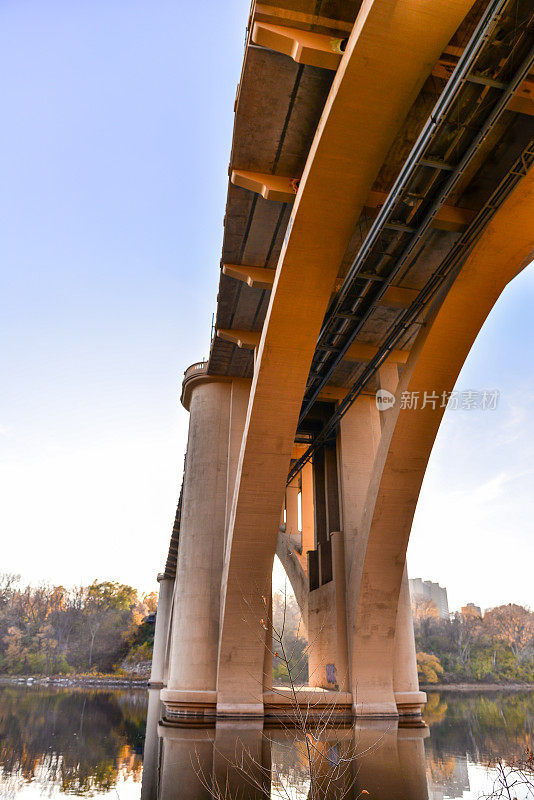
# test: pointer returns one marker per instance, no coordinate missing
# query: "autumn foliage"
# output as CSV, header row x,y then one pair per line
x,y
49,629
497,647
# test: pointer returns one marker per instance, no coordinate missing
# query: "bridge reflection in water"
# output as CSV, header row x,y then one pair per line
x,y
244,759
89,742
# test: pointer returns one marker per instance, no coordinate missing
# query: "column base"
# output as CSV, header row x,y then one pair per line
x,y
410,704
239,710
375,710
181,704
316,703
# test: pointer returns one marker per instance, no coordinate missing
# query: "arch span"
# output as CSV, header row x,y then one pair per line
x,y
505,248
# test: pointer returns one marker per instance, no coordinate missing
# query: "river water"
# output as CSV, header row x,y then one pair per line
x,y
65,741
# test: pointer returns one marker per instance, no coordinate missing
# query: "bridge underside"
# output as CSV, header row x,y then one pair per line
x,y
380,200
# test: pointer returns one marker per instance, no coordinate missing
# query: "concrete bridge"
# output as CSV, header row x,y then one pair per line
x,y
381,197
380,758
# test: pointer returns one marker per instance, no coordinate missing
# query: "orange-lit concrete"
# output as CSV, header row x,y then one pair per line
x,y
308,213
217,414
408,698
161,632
505,247
355,132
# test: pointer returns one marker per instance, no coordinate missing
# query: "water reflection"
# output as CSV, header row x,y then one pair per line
x,y
245,761
483,727
68,740
448,759
470,732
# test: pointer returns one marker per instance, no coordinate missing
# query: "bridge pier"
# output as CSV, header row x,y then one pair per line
x,y
333,491
380,758
162,631
408,699
327,309
217,410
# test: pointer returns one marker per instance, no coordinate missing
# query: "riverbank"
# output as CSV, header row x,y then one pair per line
x,y
478,687
111,681
127,681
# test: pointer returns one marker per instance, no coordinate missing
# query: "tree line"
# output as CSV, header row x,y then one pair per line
x,y
497,647
105,626
69,741
48,630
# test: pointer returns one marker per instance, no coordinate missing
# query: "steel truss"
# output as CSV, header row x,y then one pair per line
x,y
439,158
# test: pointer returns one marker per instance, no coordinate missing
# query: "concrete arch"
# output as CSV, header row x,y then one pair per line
x,y
506,246
353,137
295,574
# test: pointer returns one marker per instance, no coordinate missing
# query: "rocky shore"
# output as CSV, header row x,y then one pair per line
x,y
104,681
478,687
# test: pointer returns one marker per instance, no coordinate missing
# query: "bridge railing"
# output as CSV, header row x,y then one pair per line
x,y
195,369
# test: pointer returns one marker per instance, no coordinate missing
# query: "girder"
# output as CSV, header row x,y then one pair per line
x,y
315,303
448,267
383,258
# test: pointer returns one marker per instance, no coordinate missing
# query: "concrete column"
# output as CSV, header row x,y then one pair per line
x,y
360,436
327,626
193,657
242,760
268,659
388,379
411,750
331,489
405,681
292,509
319,497
346,155
238,412
358,442
292,515
186,763
392,764
308,526
338,568
322,637
161,633
168,648
149,784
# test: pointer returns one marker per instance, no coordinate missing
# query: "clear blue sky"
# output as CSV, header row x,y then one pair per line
x,y
114,148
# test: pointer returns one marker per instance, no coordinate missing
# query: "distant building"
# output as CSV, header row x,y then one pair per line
x,y
449,777
421,590
471,610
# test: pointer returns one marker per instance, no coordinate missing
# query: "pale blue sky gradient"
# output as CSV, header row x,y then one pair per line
x,y
114,148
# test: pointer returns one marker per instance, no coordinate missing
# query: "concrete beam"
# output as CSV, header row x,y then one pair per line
x,y
523,100
398,297
263,278
321,50
271,187
358,351
247,339
522,105
256,277
354,135
276,187
448,218
291,17
304,47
